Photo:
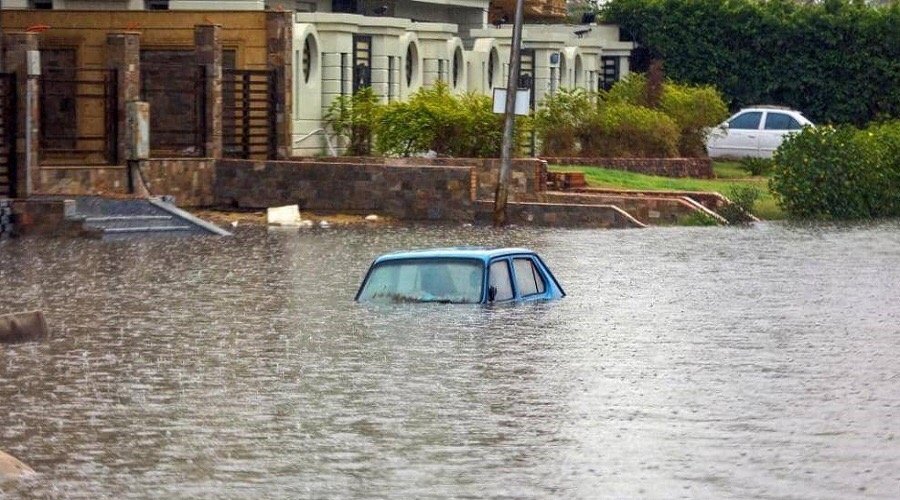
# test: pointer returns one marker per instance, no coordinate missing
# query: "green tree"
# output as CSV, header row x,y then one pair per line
x,y
836,60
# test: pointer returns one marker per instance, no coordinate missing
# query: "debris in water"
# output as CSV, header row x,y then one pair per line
x,y
288,215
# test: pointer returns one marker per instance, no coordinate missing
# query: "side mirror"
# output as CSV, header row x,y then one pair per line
x,y
492,293
724,127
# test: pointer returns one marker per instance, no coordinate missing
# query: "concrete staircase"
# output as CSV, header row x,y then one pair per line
x,y
111,218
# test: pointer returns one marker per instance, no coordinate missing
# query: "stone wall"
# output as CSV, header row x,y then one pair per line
x,y
46,217
83,180
560,215
647,209
666,167
6,218
411,192
711,200
189,180
527,176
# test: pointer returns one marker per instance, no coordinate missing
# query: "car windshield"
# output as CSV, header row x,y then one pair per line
x,y
425,280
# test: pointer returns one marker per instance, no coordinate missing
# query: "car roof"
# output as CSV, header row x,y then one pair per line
x,y
769,108
480,253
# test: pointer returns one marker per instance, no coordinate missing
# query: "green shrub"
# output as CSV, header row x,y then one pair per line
x,y
839,172
632,89
740,210
626,130
355,117
756,166
433,119
558,118
695,110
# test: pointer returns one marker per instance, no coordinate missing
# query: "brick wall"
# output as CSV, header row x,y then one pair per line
x,y
410,192
666,167
560,215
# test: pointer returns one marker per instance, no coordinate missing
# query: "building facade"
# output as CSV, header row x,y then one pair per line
x,y
395,47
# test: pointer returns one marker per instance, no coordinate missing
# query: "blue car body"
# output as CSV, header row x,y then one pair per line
x,y
506,274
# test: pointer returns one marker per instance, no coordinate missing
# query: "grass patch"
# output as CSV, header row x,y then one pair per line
x,y
728,174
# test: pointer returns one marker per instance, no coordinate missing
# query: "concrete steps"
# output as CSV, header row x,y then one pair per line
x,y
122,218
108,218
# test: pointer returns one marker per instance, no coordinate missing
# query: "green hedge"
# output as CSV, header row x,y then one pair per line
x,y
631,120
433,119
836,60
626,130
839,172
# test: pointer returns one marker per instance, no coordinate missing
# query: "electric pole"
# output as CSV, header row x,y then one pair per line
x,y
509,119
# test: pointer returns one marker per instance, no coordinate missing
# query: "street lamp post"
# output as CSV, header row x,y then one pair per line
x,y
509,119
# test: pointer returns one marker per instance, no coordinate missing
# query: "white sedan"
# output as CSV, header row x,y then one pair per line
x,y
754,132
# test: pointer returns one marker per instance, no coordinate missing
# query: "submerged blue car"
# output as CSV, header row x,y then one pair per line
x,y
459,276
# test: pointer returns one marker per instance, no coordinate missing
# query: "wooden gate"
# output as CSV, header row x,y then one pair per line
x,y
7,135
248,114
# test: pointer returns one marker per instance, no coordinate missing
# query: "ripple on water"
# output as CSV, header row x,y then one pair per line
x,y
685,362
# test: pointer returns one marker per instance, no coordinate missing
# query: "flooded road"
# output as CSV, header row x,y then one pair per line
x,y
685,362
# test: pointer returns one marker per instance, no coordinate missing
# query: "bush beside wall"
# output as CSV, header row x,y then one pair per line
x,y
840,172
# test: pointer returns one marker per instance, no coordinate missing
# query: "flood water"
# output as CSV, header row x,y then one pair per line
x,y
685,362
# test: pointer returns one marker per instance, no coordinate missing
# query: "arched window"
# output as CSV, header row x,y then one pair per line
x,y
308,58
412,56
493,62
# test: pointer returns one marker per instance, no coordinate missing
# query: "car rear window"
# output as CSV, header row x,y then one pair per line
x,y
528,278
781,121
746,121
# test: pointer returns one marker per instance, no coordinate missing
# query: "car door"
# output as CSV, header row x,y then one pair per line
x,y
776,126
742,138
500,284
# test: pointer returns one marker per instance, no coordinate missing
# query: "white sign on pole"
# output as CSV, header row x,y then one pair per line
x,y
523,101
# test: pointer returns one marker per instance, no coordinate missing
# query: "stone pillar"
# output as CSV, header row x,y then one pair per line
x,y
279,48
208,50
123,54
17,47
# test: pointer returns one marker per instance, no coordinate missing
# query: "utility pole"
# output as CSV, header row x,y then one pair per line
x,y
509,119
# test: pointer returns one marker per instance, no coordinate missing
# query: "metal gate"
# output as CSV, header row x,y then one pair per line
x,y
248,114
79,116
7,135
177,97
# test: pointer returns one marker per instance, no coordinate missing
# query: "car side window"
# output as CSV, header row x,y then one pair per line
x,y
528,278
746,121
781,121
500,280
